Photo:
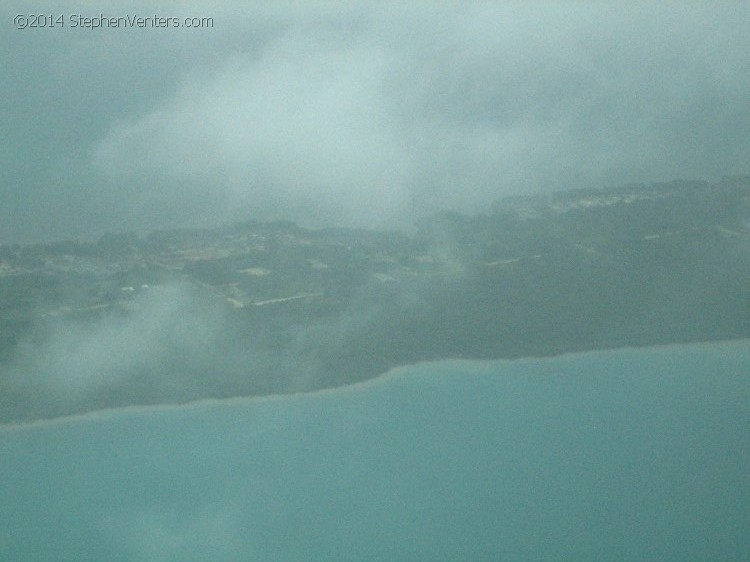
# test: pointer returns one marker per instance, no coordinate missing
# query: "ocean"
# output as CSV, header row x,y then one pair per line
x,y
632,454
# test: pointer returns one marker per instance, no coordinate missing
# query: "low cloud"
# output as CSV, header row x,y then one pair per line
x,y
140,356
378,116
369,114
303,128
177,343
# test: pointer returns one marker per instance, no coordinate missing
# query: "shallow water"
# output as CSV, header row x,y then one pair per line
x,y
628,454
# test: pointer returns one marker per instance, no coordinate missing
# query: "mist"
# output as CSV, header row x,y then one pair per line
x,y
526,225
180,342
361,114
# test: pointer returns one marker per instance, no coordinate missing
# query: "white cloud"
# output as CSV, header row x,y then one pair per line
x,y
79,363
304,124
377,114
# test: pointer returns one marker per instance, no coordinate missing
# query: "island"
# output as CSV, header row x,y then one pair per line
x,y
258,308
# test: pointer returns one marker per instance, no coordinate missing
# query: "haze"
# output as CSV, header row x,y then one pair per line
x,y
358,113
375,280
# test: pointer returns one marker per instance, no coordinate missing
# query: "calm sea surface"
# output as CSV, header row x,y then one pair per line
x,y
622,455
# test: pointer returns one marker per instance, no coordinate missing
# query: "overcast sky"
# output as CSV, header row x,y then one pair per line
x,y
358,113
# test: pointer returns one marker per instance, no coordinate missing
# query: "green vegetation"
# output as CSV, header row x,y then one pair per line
x,y
294,309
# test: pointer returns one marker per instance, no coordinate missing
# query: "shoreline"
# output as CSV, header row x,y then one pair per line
x,y
395,371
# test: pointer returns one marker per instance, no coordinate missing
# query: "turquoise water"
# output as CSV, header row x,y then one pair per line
x,y
627,455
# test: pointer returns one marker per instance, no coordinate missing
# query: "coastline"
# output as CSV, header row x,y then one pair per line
x,y
391,373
